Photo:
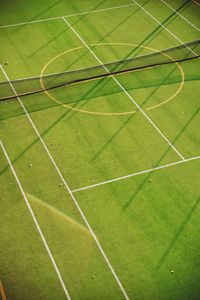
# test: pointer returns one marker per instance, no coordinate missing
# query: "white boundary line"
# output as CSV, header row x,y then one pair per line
x,y
129,96
196,2
135,174
180,15
150,121
67,16
70,192
36,222
169,31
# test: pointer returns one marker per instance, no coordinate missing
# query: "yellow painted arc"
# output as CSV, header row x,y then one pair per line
x,y
179,66
111,113
68,106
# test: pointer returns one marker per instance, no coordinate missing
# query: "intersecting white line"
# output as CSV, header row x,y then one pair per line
x,y
55,165
36,222
72,15
135,174
129,96
180,15
150,121
70,192
169,31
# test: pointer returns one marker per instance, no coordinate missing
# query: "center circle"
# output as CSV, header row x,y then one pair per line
x,y
55,99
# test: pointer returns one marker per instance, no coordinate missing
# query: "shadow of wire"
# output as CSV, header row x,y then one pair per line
x,y
101,92
35,18
178,233
130,118
155,32
112,138
70,114
131,199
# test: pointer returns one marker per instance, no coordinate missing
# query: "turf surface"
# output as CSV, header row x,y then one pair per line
x,y
147,225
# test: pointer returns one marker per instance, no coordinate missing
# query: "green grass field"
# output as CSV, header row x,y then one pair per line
x,y
99,181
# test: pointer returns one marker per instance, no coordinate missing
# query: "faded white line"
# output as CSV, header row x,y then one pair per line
x,y
70,192
67,16
180,15
36,223
135,174
129,96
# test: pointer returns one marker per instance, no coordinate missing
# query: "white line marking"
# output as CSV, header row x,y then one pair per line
x,y
129,96
30,22
169,31
134,174
70,192
80,38
150,121
197,3
36,222
67,16
180,15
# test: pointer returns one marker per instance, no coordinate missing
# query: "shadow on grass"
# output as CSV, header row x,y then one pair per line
x,y
146,179
69,113
112,138
67,28
133,84
118,25
35,141
47,43
82,17
40,14
99,152
156,31
178,233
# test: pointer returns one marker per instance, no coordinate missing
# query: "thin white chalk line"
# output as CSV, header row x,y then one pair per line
x,y
129,96
135,174
70,192
36,222
180,15
169,31
67,16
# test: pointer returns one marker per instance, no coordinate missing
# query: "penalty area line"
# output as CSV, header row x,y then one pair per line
x,y
135,174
